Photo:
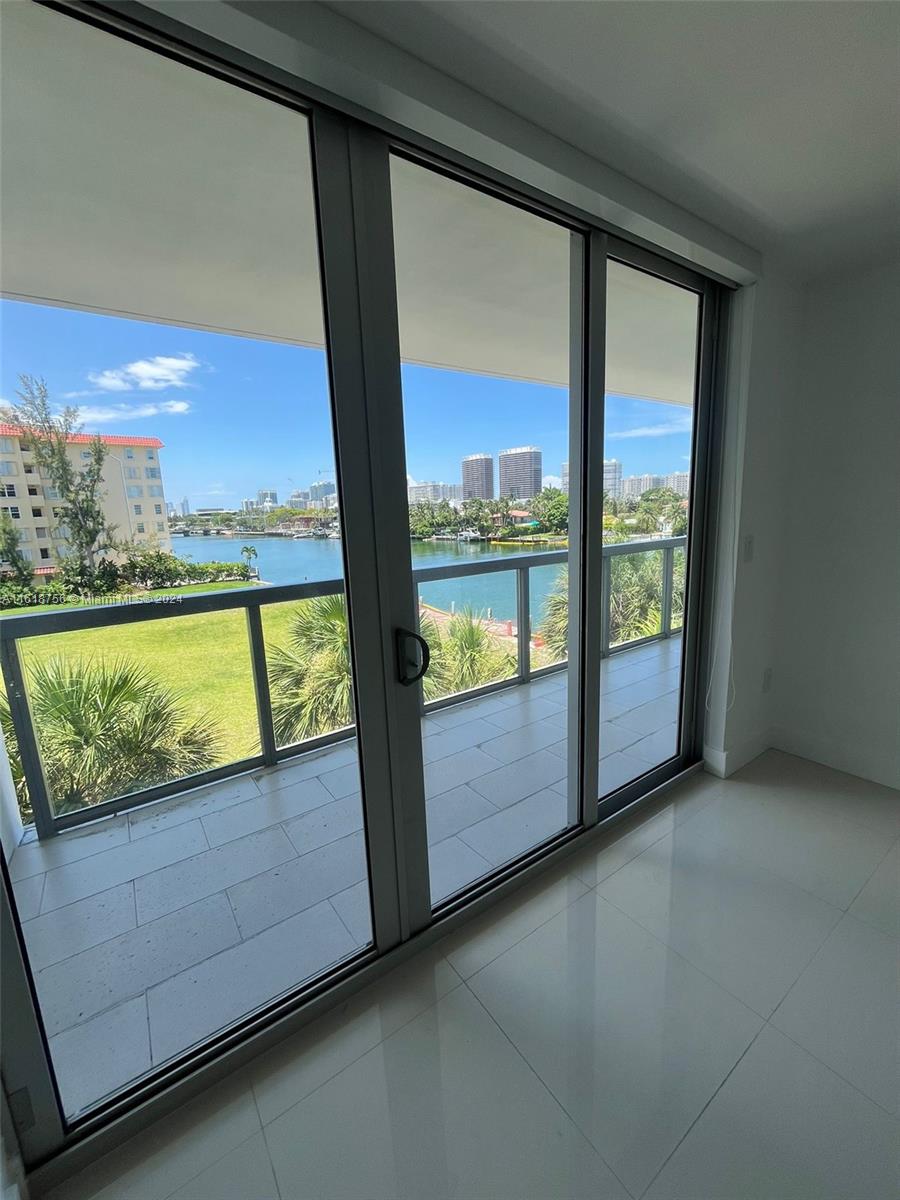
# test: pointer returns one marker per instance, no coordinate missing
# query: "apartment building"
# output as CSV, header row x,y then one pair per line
x,y
433,491
635,485
520,472
612,477
478,477
133,493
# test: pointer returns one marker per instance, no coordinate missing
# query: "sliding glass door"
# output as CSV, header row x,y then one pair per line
x,y
483,299
185,836
651,436
391,578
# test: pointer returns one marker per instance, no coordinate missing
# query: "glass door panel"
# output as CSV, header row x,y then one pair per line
x,y
648,462
483,306
186,838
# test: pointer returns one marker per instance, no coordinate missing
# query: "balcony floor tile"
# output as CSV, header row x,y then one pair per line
x,y
282,848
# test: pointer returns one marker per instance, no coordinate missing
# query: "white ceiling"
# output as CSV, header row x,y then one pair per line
x,y
775,121
136,186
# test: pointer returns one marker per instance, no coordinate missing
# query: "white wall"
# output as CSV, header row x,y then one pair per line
x,y
837,673
762,388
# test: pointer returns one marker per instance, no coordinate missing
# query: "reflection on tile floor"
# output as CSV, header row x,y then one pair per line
x,y
150,930
661,1015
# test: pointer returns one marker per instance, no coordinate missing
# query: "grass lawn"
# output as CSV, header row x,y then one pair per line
x,y
204,657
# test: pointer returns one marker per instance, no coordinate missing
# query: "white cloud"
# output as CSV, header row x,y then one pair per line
x,y
114,413
681,424
551,481
214,489
144,375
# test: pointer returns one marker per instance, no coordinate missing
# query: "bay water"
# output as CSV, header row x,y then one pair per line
x,y
307,560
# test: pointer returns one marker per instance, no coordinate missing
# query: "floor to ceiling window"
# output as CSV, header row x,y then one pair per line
x,y
345,503
163,250
483,291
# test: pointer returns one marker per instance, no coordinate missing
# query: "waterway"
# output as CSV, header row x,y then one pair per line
x,y
283,560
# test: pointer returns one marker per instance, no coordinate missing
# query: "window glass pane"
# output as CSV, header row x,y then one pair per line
x,y
652,329
186,203
483,294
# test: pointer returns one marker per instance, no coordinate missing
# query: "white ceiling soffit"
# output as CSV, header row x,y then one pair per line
x,y
136,186
774,122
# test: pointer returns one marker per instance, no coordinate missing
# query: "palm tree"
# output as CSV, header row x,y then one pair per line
x,y
554,628
311,679
468,656
106,728
248,553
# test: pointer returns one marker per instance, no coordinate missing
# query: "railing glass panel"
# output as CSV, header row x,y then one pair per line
x,y
635,596
121,709
307,644
471,624
549,604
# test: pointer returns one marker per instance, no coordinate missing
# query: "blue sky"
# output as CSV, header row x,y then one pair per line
x,y
237,415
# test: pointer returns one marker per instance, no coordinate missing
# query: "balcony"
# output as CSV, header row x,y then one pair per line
x,y
155,919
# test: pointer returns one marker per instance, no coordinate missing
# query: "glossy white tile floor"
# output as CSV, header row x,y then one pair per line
x,y
701,1007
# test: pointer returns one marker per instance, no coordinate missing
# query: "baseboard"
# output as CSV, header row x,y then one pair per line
x,y
864,762
723,763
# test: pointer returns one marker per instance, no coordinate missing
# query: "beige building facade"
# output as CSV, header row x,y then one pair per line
x,y
133,494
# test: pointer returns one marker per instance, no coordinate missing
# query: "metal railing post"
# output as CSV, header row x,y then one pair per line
x,y
29,751
523,621
261,686
667,583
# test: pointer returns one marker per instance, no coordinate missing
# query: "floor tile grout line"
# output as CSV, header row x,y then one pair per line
x,y
809,962
262,1130
878,866
184,1183
699,1115
678,954
546,1087
465,978
768,870
895,1116
368,1050
60,866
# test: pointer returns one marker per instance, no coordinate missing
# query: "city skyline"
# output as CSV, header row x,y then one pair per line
x,y
238,415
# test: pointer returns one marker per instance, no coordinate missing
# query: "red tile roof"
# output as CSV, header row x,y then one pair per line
x,y
109,439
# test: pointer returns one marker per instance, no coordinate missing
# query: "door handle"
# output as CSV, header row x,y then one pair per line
x,y
404,662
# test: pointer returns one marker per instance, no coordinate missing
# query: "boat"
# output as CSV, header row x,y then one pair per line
x,y
334,537
468,535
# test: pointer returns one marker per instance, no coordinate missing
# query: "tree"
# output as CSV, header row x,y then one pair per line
x,y
11,553
311,679
554,627
47,435
551,508
468,656
248,553
106,728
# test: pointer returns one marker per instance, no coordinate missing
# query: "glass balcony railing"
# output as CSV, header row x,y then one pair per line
x,y
107,708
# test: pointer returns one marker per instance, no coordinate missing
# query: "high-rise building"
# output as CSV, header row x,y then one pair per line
x,y
680,482
564,478
185,506
267,496
478,477
521,469
612,477
133,497
417,492
299,498
635,485
318,491
249,505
